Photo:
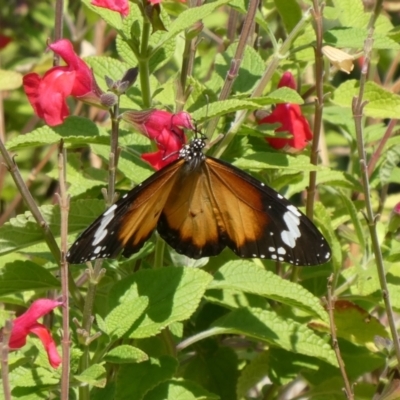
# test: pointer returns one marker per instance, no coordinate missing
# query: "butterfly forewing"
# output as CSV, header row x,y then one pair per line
x,y
200,205
259,222
129,222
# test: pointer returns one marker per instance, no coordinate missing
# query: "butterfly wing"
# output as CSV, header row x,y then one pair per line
x,y
259,222
189,222
129,222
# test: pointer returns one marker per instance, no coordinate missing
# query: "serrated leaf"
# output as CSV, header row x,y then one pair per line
x,y
267,326
113,18
180,389
33,377
135,380
264,160
95,375
74,131
246,276
223,107
23,231
354,38
20,276
10,80
356,325
251,69
130,165
380,102
122,317
125,354
187,18
107,66
174,294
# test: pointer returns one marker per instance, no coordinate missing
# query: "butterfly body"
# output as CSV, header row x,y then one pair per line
x,y
200,205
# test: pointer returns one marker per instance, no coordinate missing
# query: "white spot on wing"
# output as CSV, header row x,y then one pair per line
x,y
110,210
101,231
281,250
271,249
97,250
290,236
294,210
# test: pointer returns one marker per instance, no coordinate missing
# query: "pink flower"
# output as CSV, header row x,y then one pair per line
x,y
121,6
165,129
291,119
48,94
27,323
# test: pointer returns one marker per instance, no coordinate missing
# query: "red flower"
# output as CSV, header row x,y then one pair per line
x,y
165,129
48,94
121,6
4,40
291,120
27,323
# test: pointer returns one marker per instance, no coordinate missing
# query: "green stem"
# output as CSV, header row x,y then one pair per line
x,y
144,70
357,108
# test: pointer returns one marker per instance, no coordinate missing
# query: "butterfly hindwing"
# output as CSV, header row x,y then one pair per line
x,y
129,222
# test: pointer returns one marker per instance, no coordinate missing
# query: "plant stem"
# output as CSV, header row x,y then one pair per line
x,y
248,28
357,108
114,154
144,71
319,105
64,208
259,89
4,351
335,344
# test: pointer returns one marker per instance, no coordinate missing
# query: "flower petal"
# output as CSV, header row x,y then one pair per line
x,y
44,335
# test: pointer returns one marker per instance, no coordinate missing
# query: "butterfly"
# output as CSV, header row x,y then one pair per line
x,y
200,205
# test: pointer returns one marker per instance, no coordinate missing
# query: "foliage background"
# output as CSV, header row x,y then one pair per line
x,y
218,328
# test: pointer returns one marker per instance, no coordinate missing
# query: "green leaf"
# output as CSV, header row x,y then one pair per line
x,y
357,325
74,131
352,14
122,317
353,212
129,164
326,226
219,108
113,18
174,294
10,80
246,276
290,12
262,160
23,231
267,326
135,380
95,375
179,389
187,18
380,102
33,377
20,276
251,69
355,37
125,354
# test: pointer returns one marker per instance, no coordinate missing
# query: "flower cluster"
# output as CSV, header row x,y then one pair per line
x,y
48,94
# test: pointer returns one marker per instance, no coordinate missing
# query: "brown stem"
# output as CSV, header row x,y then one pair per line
x,y
4,351
64,209
335,344
248,28
319,105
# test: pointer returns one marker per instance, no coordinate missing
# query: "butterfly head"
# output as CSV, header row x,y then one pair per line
x,y
192,152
